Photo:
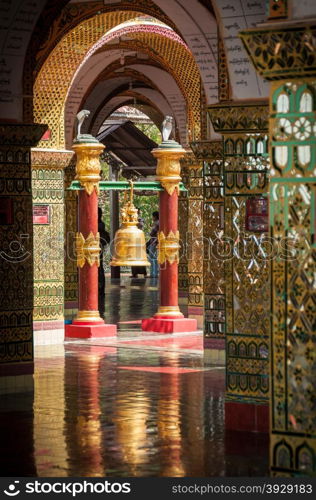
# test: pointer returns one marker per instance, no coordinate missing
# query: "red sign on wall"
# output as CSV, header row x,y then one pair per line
x,y
40,214
257,217
47,135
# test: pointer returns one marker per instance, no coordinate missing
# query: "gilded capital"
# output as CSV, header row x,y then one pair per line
x,y
279,52
204,150
168,247
239,117
88,250
168,166
88,166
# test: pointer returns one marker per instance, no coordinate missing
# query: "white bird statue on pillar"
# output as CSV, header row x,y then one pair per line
x,y
81,117
167,126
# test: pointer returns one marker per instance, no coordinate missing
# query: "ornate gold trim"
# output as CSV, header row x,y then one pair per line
x,y
88,166
88,316
282,52
168,247
50,158
88,250
234,117
169,311
204,150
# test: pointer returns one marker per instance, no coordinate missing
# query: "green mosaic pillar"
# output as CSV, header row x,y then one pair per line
x,y
287,57
241,250
48,221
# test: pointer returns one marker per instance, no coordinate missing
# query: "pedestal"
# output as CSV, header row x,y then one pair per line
x,y
169,325
87,331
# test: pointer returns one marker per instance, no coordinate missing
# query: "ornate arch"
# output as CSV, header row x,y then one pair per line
x,y
59,19
109,73
142,101
69,54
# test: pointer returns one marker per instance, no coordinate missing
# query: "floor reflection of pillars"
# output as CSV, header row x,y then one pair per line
x,y
195,388
131,429
169,423
130,417
88,425
169,319
86,442
50,451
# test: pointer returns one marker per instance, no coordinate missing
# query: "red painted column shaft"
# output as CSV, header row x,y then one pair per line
x,y
168,221
88,275
88,323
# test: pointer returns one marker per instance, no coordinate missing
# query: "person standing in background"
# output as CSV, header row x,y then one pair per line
x,y
152,246
104,241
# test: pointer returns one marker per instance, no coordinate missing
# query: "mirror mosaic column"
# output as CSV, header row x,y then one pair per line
x,y
16,262
287,57
243,255
211,154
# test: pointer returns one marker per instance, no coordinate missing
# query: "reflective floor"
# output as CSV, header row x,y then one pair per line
x,y
129,299
125,407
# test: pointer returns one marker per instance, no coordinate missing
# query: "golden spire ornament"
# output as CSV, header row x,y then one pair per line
x,y
129,240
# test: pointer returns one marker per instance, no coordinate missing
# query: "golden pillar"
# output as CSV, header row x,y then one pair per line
x,y
210,153
240,249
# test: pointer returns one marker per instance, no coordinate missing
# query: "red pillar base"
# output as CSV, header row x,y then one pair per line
x,y
246,417
169,325
88,331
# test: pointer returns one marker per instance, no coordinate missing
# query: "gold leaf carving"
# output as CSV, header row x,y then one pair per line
x,y
168,247
88,250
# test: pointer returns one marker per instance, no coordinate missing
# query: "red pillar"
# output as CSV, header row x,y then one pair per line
x,y
88,322
169,319
168,222
88,275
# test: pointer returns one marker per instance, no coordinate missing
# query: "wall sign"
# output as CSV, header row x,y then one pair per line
x,y
41,214
47,135
257,219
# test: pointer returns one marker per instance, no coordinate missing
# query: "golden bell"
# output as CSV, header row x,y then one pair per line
x,y
129,241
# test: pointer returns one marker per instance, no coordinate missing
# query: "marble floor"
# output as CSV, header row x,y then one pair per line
x,y
136,405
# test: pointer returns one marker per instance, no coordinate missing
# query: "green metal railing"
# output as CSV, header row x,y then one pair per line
x,y
123,185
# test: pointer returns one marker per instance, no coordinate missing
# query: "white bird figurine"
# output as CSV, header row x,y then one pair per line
x,y
81,117
167,126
